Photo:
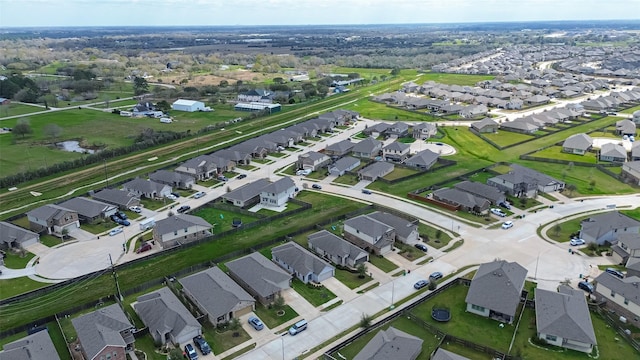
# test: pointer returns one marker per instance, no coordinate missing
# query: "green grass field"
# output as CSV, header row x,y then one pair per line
x,y
14,109
453,79
506,138
222,218
316,296
555,152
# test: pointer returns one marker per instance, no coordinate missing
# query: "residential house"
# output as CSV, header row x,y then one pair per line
x,y
621,296
312,161
234,156
246,195
343,165
635,151
522,181
167,318
493,194
368,148
613,153
13,236
336,249
451,109
188,105
631,172
147,188
105,333
397,130
304,265
606,227
474,111
277,193
396,151
424,130
442,354
180,229
633,267
144,108
256,95
4,101
36,346
406,231
423,160
537,100
173,179
52,219
461,200
519,126
369,234
563,319
636,117
486,125
391,344
259,276
89,210
577,144
627,246
514,104
375,170
496,290
201,167
339,149
120,198
217,296
377,130
626,127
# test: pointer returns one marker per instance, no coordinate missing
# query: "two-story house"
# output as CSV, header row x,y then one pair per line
x,y
53,219
336,250
278,193
606,227
106,333
369,234
312,160
180,229
396,151
622,296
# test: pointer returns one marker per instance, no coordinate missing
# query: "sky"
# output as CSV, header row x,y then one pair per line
x,y
43,13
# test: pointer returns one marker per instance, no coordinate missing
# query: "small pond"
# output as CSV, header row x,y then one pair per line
x,y
73,146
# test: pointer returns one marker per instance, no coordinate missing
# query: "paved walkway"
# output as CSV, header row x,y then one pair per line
x,y
341,290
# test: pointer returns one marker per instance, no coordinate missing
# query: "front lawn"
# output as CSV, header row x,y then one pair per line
x,y
351,280
315,295
561,232
50,240
271,318
225,339
432,236
523,203
382,263
17,261
347,179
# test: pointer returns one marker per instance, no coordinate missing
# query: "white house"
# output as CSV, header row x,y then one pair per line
x,y
188,105
277,193
180,229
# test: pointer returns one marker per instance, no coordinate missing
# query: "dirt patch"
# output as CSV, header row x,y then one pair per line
x,y
209,79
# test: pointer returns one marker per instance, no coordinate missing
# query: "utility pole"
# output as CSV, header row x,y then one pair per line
x,y
115,278
535,276
106,178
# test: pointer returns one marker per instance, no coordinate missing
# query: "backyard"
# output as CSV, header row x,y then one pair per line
x,y
506,138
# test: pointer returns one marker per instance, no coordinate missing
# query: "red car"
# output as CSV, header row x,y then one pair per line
x,y
144,247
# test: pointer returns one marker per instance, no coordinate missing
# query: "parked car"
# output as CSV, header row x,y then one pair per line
x,y
316,186
199,194
124,222
175,194
222,178
298,327
436,275
135,209
505,205
366,191
115,218
498,212
202,345
144,247
242,176
586,286
615,272
183,208
190,353
576,242
122,215
256,323
115,231
171,197
507,225
422,247
420,284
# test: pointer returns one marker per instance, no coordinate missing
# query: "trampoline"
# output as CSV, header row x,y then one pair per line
x,y
441,314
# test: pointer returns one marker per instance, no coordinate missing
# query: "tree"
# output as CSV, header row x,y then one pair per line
x,y
234,324
163,106
224,83
278,302
362,270
570,188
53,131
365,321
176,354
592,184
278,80
395,71
22,128
140,85
557,229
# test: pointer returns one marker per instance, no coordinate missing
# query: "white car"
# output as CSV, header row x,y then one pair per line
x,y
171,197
507,225
199,194
498,212
135,209
576,242
115,231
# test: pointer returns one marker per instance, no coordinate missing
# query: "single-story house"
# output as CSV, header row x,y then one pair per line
x,y
462,200
486,125
247,194
376,130
180,229
36,346
396,151
493,194
607,227
301,263
202,167
563,319
259,276
312,160
256,95
423,160
442,354
375,170
13,236
519,126
626,127
368,148
188,105
217,295
631,171
106,333
277,193
406,230
336,249
635,151
174,179
613,153
89,210
537,100
147,188
496,290
369,234
622,296
577,144
343,165
339,149
423,130
120,198
167,318
391,344
474,111
522,181
52,219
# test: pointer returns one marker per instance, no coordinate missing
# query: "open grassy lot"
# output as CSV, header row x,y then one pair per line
x,y
221,112
453,79
222,218
13,287
400,172
630,110
315,295
271,318
506,138
18,109
374,110
555,152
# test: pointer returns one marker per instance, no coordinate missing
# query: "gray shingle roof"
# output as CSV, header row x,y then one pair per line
x,y
613,150
101,328
215,291
484,123
343,146
521,174
367,145
377,168
49,211
631,241
391,344
248,191
497,286
482,190
259,273
564,314
163,313
313,156
179,222
396,146
120,197
425,158
10,233
335,245
369,226
578,141
442,354
628,288
460,197
598,225
37,346
87,207
144,186
299,258
403,227
345,163
166,176
280,185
